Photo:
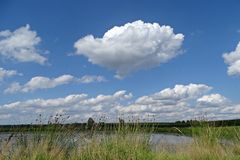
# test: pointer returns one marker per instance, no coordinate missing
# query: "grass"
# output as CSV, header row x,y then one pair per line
x,y
61,143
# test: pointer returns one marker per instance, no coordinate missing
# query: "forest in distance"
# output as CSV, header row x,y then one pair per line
x,y
153,126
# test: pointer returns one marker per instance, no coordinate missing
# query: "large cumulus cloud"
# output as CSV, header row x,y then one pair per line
x,y
131,47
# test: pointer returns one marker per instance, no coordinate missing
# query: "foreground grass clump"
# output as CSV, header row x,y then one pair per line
x,y
120,147
208,143
94,147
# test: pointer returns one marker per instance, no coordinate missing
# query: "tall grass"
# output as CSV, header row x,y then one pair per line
x,y
59,142
208,143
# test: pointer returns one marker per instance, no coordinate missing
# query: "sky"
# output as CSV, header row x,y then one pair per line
x,y
167,59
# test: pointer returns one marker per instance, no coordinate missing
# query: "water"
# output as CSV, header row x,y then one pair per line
x,y
169,138
155,139
168,142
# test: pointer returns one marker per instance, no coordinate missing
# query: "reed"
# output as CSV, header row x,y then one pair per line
x,y
59,142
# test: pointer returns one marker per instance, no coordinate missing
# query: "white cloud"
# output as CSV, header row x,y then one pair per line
x,y
7,73
183,91
182,102
13,88
40,82
233,109
132,47
233,60
78,105
217,107
168,101
4,116
91,79
21,45
212,100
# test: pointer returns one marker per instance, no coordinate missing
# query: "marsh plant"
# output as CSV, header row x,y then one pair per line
x,y
57,141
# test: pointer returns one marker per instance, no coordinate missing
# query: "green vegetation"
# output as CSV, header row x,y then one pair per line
x,y
157,127
127,142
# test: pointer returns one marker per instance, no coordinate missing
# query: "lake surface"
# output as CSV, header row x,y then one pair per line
x,y
169,138
154,139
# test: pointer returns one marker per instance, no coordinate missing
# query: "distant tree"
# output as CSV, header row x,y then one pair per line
x,y
101,122
178,122
90,123
121,121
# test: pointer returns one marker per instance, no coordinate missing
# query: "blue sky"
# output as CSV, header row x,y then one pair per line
x,y
210,29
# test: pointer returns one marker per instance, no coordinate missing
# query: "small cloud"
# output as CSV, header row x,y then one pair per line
x,y
71,54
196,33
212,100
21,45
8,73
39,82
91,79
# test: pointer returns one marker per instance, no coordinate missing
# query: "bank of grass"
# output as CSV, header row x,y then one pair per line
x,y
208,143
60,143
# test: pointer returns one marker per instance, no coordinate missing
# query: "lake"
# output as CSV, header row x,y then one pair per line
x,y
154,139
